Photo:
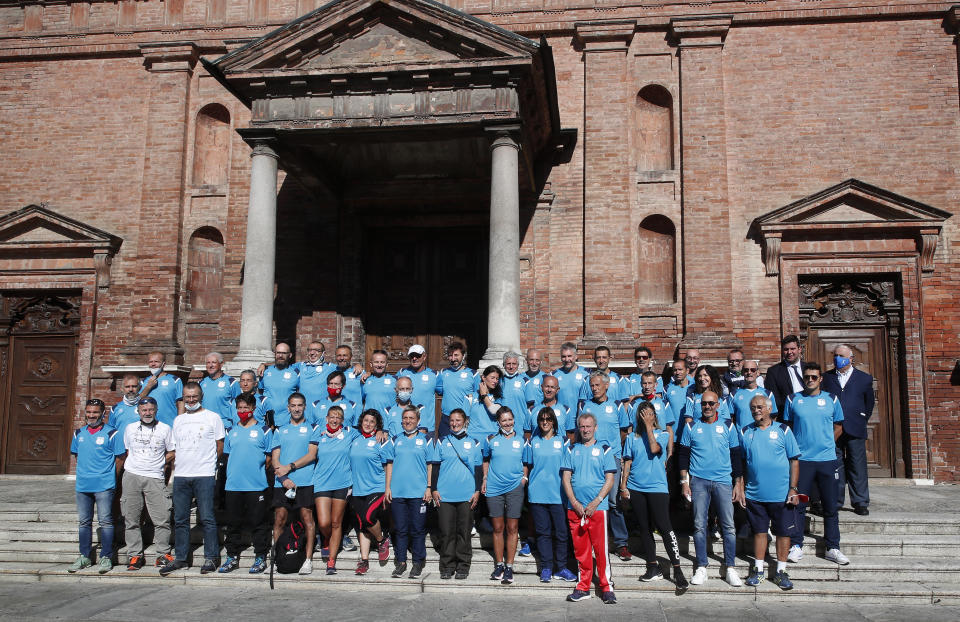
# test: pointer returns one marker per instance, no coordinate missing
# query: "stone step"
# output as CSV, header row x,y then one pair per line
x,y
890,593
896,523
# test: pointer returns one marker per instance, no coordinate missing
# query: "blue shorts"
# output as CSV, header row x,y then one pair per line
x,y
782,519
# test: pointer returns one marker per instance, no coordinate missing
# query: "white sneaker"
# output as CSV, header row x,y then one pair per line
x,y
834,555
699,576
733,578
307,567
795,554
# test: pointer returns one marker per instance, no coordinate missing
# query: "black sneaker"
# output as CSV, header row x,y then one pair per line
x,y
609,598
461,575
497,574
398,569
652,574
208,566
446,575
416,570
172,566
680,581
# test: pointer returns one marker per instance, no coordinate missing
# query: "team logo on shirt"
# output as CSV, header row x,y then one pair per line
x,y
99,440
286,375
419,441
609,409
773,434
463,374
579,376
536,382
340,436
699,430
496,443
425,377
303,429
719,429
517,384
557,444
371,443
516,444
821,402
467,445
164,382
253,434
386,381
596,451
351,375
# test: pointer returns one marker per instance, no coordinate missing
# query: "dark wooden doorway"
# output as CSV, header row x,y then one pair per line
x,y
38,394
864,315
426,286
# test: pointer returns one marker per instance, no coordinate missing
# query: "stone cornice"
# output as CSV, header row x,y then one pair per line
x,y
606,35
174,56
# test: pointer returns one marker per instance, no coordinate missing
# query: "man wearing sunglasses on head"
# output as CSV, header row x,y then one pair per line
x,y
817,421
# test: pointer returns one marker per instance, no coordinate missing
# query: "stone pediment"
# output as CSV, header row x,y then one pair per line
x,y
848,210
376,34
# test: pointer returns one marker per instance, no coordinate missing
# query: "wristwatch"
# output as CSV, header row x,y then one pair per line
x,y
293,466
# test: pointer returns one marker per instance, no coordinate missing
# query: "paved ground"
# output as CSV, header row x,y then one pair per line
x,y
131,603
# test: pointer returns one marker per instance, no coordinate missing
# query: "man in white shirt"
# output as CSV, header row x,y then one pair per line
x,y
198,440
149,446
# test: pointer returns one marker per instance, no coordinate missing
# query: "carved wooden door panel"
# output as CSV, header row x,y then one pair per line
x,y
39,383
40,413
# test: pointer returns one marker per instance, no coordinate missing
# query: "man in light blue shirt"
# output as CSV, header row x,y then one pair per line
x,y
534,377
166,388
424,382
219,389
574,380
514,393
280,379
353,388
617,390
456,384
313,373
379,387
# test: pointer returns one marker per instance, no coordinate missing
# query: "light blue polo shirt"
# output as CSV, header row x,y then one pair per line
x,y
168,392
544,456
333,470
611,419
589,466
366,465
647,469
379,392
96,458
248,449
768,454
812,418
739,404
424,394
409,456
277,385
313,379
515,397
574,386
710,445
566,421
531,389
293,442
505,457
455,482
456,385
218,396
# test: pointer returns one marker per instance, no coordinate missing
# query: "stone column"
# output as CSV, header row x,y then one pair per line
x,y
256,315
503,298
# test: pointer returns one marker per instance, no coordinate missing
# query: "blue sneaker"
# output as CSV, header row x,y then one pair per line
x,y
782,581
546,575
497,573
524,550
577,595
259,565
507,576
566,575
755,577
230,565
347,544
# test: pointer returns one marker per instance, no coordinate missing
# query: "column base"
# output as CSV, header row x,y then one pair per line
x,y
248,359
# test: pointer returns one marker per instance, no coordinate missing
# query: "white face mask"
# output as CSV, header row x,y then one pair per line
x,y
154,372
191,408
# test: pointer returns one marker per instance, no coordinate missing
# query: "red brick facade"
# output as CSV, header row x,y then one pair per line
x,y
767,103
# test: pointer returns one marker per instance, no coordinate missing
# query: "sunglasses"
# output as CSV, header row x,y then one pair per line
x,y
705,403
642,356
415,355
542,419
751,369
732,361
810,377
95,402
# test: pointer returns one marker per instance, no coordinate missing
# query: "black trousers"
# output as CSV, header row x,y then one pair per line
x,y
654,507
250,509
456,548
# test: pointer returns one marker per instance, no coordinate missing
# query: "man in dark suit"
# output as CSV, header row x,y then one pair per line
x,y
786,377
855,390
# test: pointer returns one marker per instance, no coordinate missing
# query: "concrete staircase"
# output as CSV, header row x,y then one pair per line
x,y
897,556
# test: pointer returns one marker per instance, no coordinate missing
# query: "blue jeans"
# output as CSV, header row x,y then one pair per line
x,y
824,473
409,527
104,503
720,495
203,489
547,518
618,525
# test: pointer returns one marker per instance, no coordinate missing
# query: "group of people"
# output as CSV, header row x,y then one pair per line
x,y
574,446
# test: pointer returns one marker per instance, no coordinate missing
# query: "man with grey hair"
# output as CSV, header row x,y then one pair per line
x,y
613,424
574,380
855,390
534,376
219,389
514,395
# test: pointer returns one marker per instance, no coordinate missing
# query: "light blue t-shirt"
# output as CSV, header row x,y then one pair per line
x,y
648,471
611,419
505,458
168,392
393,420
634,386
424,394
665,415
317,411
456,386
457,458
379,392
566,421
333,470
313,379
515,397
531,388
544,456
353,389
96,458
676,396
482,424
617,389
812,418
768,454
277,385
409,456
739,405
218,396
122,415
574,386
589,465
366,465
248,449
293,442
710,445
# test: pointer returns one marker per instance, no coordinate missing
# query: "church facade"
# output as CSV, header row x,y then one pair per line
x,y
213,175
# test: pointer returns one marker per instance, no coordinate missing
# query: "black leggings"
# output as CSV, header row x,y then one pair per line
x,y
655,507
367,509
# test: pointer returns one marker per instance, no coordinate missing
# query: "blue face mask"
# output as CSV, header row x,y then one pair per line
x,y
840,361
404,395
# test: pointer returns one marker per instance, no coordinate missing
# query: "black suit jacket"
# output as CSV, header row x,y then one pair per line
x,y
856,398
778,382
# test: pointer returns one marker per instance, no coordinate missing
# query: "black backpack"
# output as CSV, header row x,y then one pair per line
x,y
290,550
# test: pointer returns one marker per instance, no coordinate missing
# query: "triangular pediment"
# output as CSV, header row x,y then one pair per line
x,y
36,225
376,33
850,204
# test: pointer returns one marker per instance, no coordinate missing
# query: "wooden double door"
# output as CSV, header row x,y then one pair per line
x,y
426,286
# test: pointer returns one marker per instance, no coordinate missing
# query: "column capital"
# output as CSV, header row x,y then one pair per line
x,y
170,56
503,135
700,31
605,36
264,147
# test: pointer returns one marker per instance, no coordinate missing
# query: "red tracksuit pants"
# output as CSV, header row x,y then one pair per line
x,y
589,544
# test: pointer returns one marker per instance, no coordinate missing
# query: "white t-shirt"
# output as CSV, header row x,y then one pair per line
x,y
195,437
146,448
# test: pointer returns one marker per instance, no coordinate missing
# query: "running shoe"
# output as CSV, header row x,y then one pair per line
x,y
652,574
755,577
461,575
105,565
307,567
524,550
546,575
259,565
733,578
624,553
680,581
507,576
136,563
699,576
609,598
383,550
398,569
577,595
163,560
834,555
331,568
497,574
566,575
80,563
416,570
208,566
230,565
446,574
347,544
362,567
782,581
171,567
795,554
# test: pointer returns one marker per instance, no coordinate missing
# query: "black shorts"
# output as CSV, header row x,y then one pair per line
x,y
367,508
339,493
782,519
304,498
